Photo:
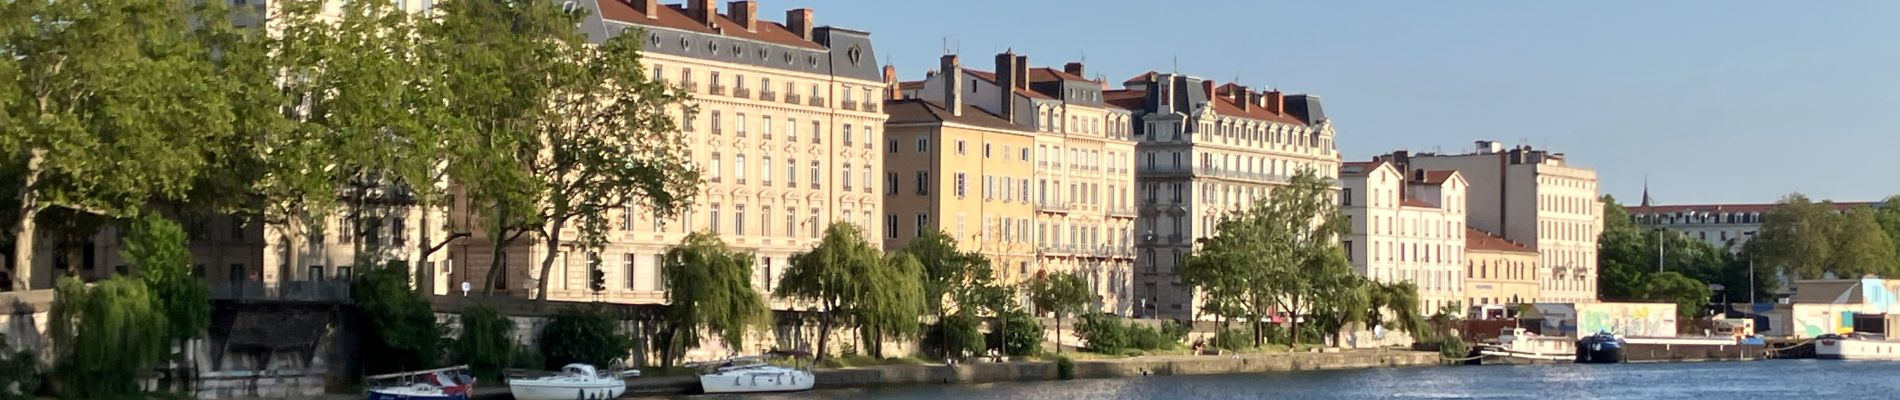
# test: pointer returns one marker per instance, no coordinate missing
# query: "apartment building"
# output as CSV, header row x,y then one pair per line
x,y
1536,198
1498,271
1201,150
1081,187
786,136
1727,226
1407,227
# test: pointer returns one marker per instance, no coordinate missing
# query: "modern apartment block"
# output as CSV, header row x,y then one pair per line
x,y
1202,150
1536,198
1407,226
1079,191
1498,271
786,136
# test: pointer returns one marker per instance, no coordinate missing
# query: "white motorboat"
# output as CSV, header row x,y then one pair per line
x,y
1520,346
1856,346
575,381
754,375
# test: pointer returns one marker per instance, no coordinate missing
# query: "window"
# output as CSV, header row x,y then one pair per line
x,y
814,174
865,175
816,129
923,144
846,133
738,122
890,226
869,137
812,220
791,129
846,176
890,147
923,182
765,170
716,126
738,220
959,185
714,219
659,271
1025,154
627,265
738,168
765,127
713,169
791,172
346,230
890,182
791,221
960,150
765,221
986,150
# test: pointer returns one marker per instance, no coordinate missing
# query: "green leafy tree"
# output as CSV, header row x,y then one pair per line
x,y
487,343
1798,235
19,374
1888,214
1103,333
106,337
709,291
1622,256
956,335
1689,294
834,277
892,302
1861,247
156,246
1397,304
1315,265
404,335
1022,334
83,81
1060,294
582,336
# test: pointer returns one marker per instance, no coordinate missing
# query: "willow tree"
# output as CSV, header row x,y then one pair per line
x,y
108,106
156,246
893,300
833,277
106,337
708,290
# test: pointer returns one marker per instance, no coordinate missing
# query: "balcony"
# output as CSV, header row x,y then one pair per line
x,y
768,95
690,86
742,93
1125,212
870,106
791,98
716,90
817,101
850,105
1176,238
1054,206
300,291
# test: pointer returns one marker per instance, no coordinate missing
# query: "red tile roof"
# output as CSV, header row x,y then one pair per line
x,y
1231,107
910,85
1727,208
1477,239
919,110
1438,177
1125,98
1411,202
1050,74
674,16
1144,77
1356,168
989,76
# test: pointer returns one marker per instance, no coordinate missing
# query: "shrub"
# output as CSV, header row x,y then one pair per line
x,y
1104,333
19,374
1142,337
1452,347
962,337
487,342
1065,368
1232,339
1175,330
403,334
1022,334
578,336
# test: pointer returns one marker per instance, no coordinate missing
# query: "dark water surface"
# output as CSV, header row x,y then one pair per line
x,y
1776,379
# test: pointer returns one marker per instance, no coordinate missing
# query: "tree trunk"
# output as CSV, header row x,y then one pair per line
x,y
1293,313
553,243
824,334
497,260
1058,333
24,230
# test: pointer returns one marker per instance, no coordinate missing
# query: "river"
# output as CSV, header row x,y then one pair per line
x,y
1774,379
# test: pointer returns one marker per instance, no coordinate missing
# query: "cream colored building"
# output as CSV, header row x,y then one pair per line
x,y
1203,149
1533,197
1081,191
786,137
1498,271
1407,227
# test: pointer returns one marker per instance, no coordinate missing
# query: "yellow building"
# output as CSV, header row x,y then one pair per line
x,y
785,136
1499,271
1081,189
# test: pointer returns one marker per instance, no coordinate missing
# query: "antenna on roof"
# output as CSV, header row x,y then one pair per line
x,y
1177,65
946,45
1085,56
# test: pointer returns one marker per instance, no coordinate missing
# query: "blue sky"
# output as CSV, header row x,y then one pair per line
x,y
1730,101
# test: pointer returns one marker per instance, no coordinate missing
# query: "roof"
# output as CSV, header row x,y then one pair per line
x,y
1356,168
911,85
1728,208
1478,239
1041,74
1438,177
674,16
1224,105
1143,78
1126,98
905,111
1411,202
988,76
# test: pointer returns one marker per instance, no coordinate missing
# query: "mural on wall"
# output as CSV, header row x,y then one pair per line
x,y
1628,319
1877,296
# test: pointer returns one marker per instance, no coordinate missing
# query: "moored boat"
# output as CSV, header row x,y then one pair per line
x,y
452,383
1520,346
1856,346
753,374
1601,348
575,381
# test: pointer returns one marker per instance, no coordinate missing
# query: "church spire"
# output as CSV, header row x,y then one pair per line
x,y
1646,191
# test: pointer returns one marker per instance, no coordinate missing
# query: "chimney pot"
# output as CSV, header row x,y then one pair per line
x,y
1243,97
745,12
1074,68
952,84
1207,86
891,89
1276,102
702,11
1006,79
799,21
1022,72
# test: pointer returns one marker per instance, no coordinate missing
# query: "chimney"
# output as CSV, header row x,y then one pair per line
x,y
952,84
649,8
746,13
1006,78
1207,86
702,11
1243,97
799,22
1074,68
891,91
1276,102
1022,72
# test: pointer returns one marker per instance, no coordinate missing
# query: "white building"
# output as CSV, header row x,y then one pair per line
x,y
1407,227
1532,197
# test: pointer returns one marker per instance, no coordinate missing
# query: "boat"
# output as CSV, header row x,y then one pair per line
x,y
451,383
756,374
1856,346
575,381
1601,348
1520,346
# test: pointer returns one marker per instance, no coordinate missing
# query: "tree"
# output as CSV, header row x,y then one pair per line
x,y
1621,253
1306,210
1689,294
833,277
1798,235
892,302
1280,254
404,334
156,246
582,336
1060,294
1888,214
106,337
709,288
83,80
487,343
1401,300
1861,247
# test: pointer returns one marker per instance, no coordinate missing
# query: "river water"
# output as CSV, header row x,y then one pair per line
x,y
1775,379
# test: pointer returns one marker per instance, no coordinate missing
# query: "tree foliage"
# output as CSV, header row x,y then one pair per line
x,y
1060,294
836,277
710,293
19,374
1862,247
1798,235
106,336
892,302
405,335
582,336
156,246
487,343
954,337
1689,294
1628,257
1279,254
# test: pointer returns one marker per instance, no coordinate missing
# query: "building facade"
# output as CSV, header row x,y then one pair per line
x,y
1080,186
1498,271
1533,197
1406,227
786,136
1727,226
1202,150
